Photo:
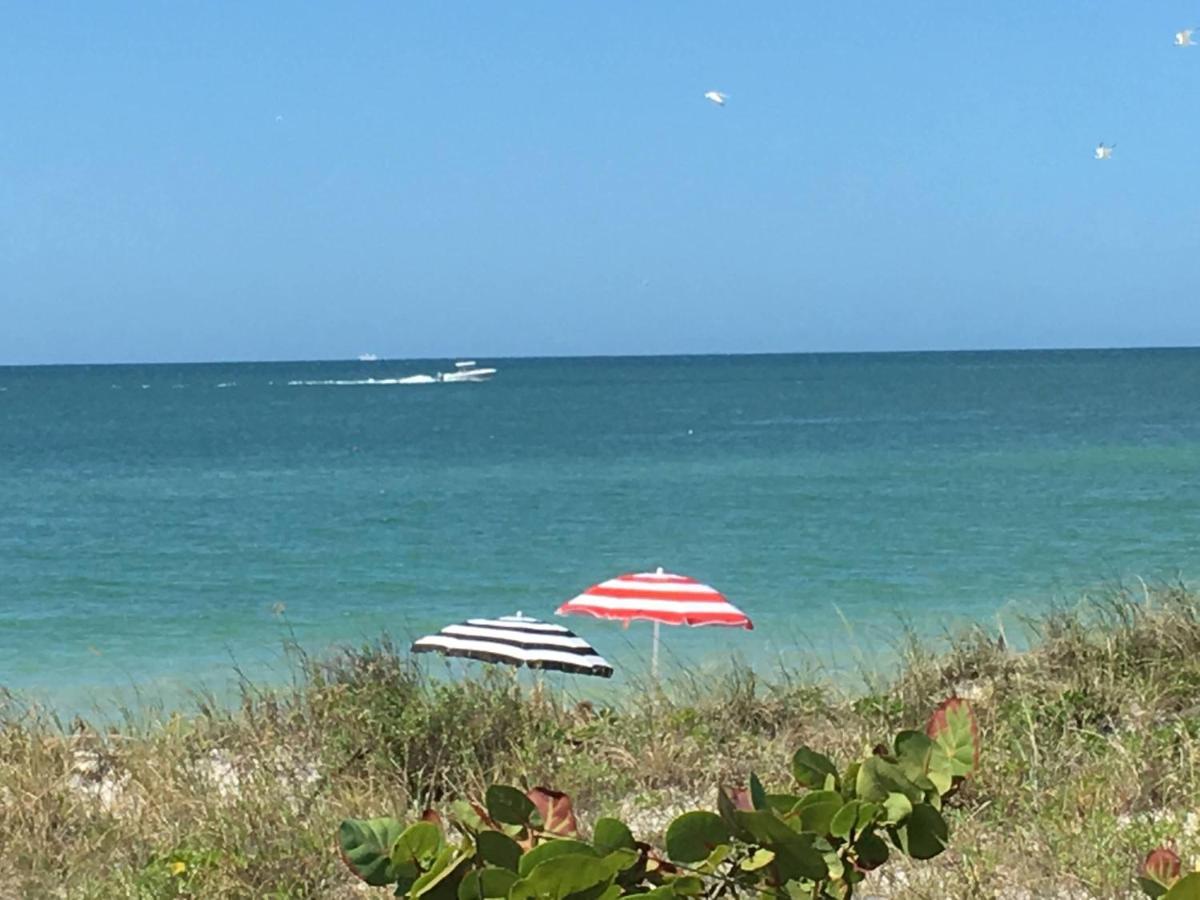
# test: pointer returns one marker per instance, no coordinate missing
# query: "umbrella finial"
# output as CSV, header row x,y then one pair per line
x,y
660,571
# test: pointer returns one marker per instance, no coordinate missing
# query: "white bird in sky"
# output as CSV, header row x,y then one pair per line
x,y
1184,38
1103,152
716,97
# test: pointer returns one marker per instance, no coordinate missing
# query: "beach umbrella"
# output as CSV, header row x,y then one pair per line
x,y
659,597
517,641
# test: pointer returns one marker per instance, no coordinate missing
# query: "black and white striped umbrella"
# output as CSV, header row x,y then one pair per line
x,y
518,641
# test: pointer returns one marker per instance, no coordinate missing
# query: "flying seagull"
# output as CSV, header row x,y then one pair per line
x,y
716,97
1103,152
1184,38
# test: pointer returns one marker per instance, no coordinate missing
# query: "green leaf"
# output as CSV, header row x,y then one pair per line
x,y
758,794
815,811
878,777
550,850
757,860
853,818
508,805
441,881
845,819
486,884
714,860
836,869
924,834
1187,888
572,875
694,835
811,769
725,806
896,808
688,886
622,858
366,845
498,849
766,827
920,758
954,727
870,851
782,803
612,834
850,779
659,893
795,856
468,815
417,848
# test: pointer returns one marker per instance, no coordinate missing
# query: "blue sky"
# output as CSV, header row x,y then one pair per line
x,y
282,181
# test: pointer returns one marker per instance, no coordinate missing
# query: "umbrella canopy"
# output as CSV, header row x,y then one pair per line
x,y
518,641
657,597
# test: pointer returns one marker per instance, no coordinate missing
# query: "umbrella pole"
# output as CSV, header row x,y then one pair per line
x,y
654,654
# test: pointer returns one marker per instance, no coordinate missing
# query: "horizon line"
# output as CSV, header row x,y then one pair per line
x,y
594,356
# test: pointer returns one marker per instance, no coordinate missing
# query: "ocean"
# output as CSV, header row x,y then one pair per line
x,y
164,525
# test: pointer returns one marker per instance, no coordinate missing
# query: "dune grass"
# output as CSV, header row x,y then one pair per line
x,y
1091,756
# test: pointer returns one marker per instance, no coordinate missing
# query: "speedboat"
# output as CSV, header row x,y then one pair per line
x,y
466,370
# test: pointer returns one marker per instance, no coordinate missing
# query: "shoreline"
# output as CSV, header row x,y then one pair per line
x,y
857,658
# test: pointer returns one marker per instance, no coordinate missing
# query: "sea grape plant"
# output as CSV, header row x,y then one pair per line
x,y
817,840
1161,875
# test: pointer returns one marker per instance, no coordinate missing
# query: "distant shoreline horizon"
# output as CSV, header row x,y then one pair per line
x,y
613,356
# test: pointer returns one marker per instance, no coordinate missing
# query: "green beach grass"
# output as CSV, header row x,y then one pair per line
x,y
1091,757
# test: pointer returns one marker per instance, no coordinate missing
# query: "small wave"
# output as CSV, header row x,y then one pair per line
x,y
145,387
227,384
411,379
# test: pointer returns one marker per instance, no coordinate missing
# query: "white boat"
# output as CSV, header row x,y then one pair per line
x,y
367,357
466,370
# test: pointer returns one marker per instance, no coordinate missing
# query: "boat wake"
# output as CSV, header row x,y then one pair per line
x,y
348,382
465,370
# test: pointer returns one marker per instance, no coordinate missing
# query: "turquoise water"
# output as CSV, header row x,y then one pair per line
x,y
152,516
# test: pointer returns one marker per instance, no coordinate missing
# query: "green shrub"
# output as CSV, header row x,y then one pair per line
x,y
818,842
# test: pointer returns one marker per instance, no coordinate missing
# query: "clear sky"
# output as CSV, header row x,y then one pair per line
x,y
310,180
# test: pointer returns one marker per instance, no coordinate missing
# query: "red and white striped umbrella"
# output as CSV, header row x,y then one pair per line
x,y
659,597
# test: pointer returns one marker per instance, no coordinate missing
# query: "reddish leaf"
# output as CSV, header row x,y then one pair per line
x,y
432,815
740,798
1163,866
555,809
954,726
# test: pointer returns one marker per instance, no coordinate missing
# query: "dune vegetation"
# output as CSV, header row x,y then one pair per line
x,y
1091,757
